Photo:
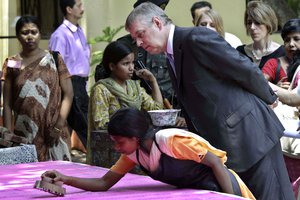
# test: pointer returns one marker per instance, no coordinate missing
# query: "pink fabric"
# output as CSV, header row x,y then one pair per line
x,y
296,185
297,78
293,168
16,182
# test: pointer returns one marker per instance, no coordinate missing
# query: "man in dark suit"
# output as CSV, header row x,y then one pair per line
x,y
224,97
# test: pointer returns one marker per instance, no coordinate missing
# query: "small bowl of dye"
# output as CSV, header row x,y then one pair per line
x,y
166,117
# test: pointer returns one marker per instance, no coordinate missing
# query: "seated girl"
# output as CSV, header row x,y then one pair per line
x,y
172,156
118,90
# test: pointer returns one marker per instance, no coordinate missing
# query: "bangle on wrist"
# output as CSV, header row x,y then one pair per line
x,y
57,129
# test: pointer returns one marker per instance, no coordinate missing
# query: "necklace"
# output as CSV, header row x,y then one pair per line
x,y
258,54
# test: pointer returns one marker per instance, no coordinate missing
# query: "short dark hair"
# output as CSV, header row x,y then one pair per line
x,y
129,122
66,3
199,4
26,19
291,26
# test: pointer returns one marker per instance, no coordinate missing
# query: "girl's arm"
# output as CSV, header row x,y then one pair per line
x,y
219,171
91,184
147,75
286,96
118,170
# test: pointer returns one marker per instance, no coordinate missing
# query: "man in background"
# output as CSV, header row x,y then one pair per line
x,y
201,6
70,42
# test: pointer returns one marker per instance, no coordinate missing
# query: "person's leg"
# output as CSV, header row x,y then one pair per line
x,y
77,118
268,179
76,143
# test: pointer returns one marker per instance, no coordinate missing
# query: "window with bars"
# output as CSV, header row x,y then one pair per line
x,y
47,11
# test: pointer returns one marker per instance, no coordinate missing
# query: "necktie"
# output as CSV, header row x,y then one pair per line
x,y
171,60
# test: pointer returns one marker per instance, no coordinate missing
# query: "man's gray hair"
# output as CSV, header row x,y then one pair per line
x,y
144,14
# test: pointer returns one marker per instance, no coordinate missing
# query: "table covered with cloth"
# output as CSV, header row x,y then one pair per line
x,y
17,181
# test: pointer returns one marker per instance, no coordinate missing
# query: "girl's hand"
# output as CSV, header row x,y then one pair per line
x,y
54,175
145,74
275,104
180,122
60,123
283,83
52,136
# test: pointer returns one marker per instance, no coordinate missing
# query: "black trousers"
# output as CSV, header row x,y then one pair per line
x,y
77,118
268,179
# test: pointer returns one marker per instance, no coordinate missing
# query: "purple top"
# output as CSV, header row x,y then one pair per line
x,y
70,41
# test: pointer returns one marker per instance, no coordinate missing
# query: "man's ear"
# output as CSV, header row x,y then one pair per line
x,y
68,9
157,22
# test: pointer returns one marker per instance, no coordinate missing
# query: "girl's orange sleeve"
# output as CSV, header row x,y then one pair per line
x,y
123,165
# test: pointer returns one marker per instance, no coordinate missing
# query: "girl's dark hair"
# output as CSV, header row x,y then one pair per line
x,y
129,122
295,62
26,19
291,26
113,53
66,3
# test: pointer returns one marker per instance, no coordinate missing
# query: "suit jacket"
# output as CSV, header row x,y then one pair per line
x,y
224,96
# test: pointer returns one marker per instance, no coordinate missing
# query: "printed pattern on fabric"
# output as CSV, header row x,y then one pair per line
x,y
37,89
103,103
36,99
19,154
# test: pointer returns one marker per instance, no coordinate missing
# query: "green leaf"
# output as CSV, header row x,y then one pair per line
x,y
107,36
